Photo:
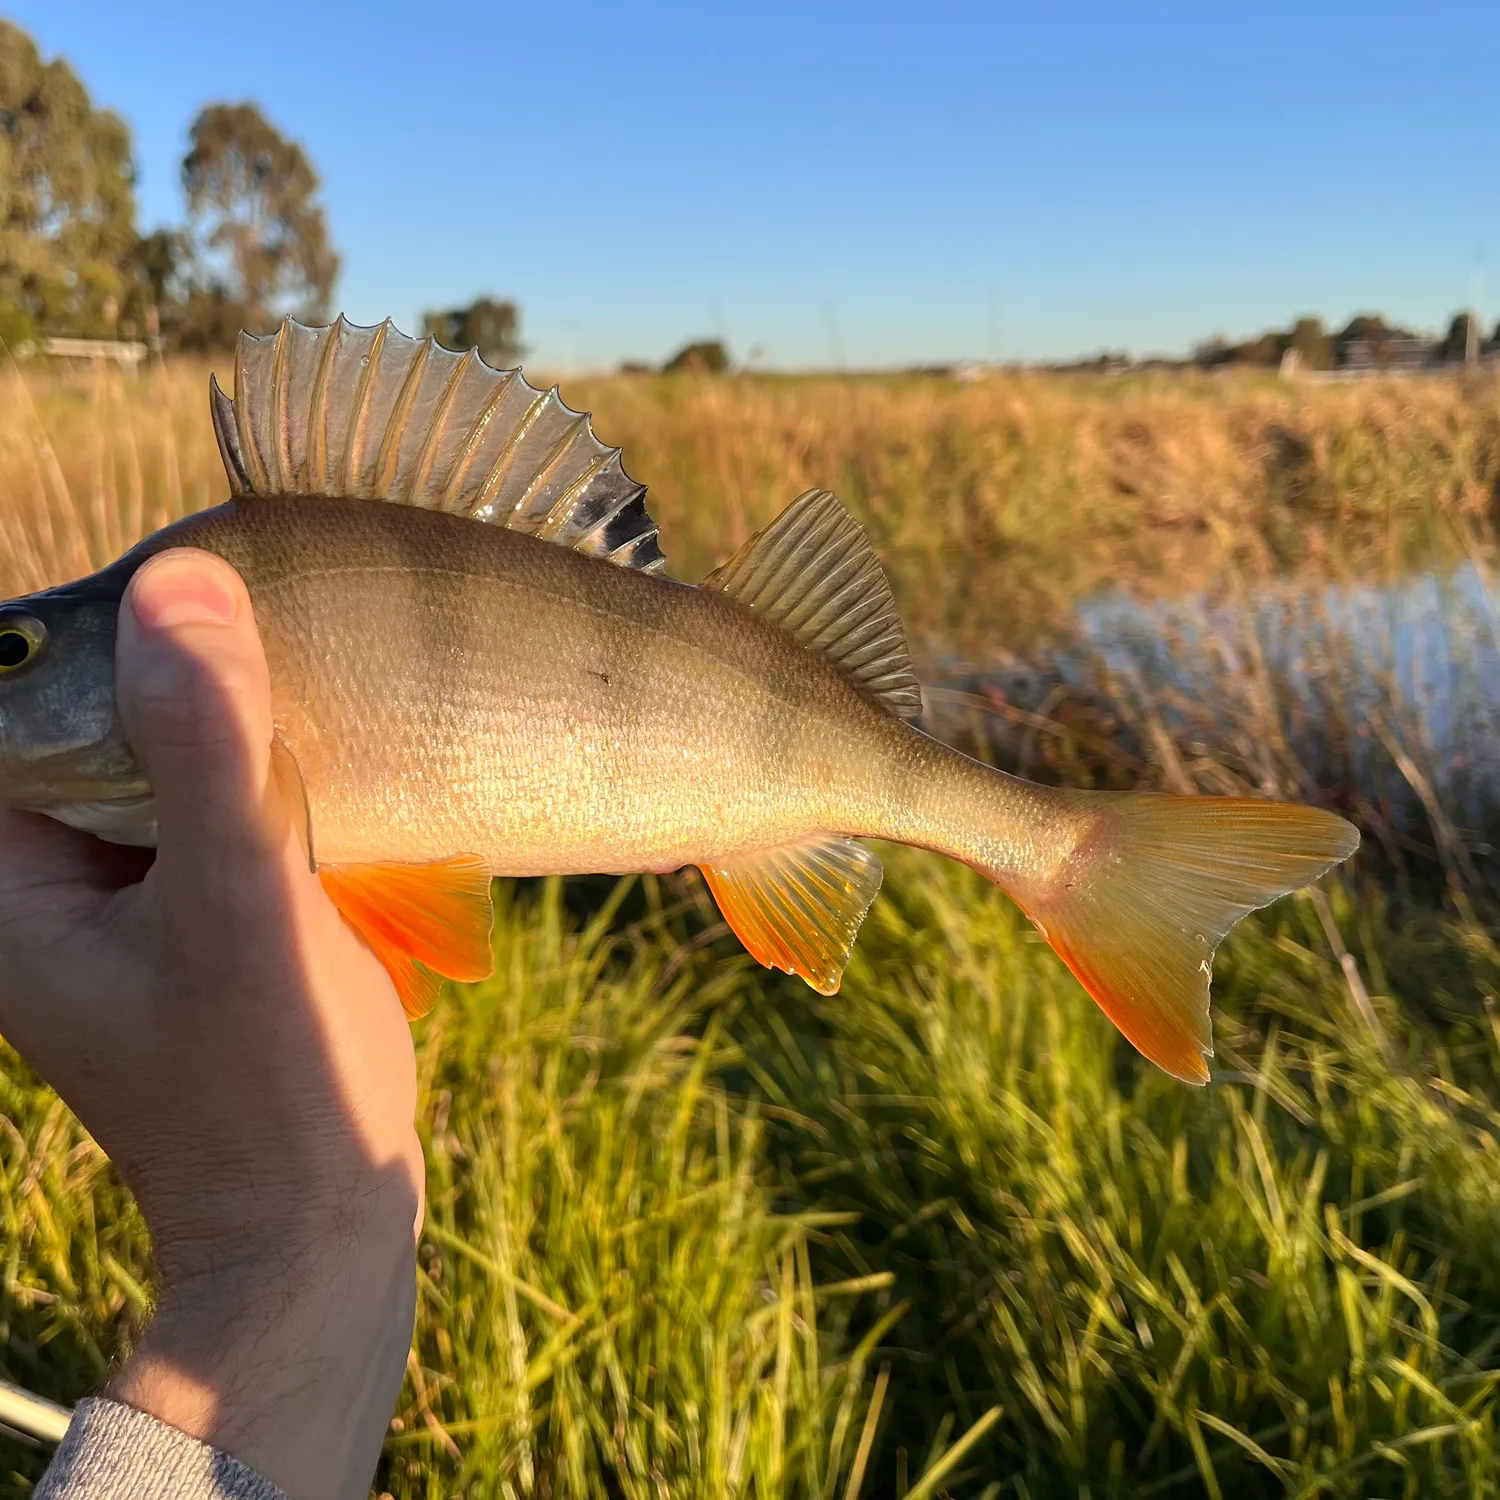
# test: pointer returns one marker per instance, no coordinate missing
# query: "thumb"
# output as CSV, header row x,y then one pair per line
x,y
195,703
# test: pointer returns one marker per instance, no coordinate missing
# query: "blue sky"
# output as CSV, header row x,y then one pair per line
x,y
872,183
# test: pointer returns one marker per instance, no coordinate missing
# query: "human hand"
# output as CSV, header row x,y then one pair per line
x,y
236,1050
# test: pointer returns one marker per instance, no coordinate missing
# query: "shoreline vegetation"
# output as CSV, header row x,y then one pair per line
x,y
995,503
693,1230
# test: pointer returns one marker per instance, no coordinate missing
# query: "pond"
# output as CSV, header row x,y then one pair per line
x,y
1385,694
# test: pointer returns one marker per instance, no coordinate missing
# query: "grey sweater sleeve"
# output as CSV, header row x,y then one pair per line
x,y
114,1452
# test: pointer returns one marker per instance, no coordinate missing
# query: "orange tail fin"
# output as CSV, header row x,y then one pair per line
x,y
1151,890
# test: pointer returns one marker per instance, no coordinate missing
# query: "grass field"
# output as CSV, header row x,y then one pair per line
x,y
693,1230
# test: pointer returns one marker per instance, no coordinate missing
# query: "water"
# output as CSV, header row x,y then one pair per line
x,y
1383,695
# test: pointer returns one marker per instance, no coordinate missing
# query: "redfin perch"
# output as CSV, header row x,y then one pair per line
x,y
480,668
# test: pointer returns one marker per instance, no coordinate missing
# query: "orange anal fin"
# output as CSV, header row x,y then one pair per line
x,y
798,908
424,922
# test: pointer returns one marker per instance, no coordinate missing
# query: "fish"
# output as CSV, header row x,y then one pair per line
x,y
480,667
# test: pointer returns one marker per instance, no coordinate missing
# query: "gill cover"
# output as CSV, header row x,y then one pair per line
x,y
62,751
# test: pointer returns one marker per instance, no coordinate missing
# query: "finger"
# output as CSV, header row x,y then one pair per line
x,y
39,855
54,883
195,702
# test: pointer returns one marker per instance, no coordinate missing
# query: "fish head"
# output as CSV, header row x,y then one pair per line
x,y
61,744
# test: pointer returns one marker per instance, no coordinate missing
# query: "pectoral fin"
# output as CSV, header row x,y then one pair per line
x,y
799,907
424,922
287,775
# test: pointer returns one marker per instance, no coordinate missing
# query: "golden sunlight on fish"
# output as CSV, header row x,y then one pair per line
x,y
479,668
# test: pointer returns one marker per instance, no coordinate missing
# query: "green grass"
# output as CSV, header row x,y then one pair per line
x,y
695,1231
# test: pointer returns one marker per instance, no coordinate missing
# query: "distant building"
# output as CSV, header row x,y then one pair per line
x,y
1389,355
125,353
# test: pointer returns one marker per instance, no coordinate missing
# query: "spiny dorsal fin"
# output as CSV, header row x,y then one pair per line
x,y
370,413
798,908
814,572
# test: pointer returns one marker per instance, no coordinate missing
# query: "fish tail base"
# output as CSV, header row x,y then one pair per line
x,y
1150,888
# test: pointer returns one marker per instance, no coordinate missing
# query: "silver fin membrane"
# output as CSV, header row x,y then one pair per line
x,y
369,413
814,572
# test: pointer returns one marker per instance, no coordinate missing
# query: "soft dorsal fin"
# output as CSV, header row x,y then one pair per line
x,y
798,908
814,572
372,414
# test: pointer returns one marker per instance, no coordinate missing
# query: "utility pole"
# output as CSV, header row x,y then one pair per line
x,y
835,337
1476,296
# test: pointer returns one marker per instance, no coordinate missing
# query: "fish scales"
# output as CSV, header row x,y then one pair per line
x,y
447,688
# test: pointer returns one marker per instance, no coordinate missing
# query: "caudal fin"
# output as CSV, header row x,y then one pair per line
x,y
1151,889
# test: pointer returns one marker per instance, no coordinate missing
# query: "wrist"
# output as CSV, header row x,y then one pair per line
x,y
289,1356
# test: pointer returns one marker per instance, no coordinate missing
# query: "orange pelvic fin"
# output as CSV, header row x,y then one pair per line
x,y
1150,892
797,908
423,921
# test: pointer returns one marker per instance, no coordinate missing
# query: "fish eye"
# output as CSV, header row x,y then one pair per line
x,y
20,640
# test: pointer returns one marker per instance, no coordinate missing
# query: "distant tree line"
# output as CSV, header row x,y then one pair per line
x,y
1367,338
699,357
254,246
704,356
491,327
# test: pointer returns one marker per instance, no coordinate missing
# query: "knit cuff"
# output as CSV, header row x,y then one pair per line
x,y
114,1452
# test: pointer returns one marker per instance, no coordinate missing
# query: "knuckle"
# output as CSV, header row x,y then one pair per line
x,y
181,702
171,709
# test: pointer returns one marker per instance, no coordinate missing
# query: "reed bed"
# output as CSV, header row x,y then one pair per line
x,y
693,1230
996,503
